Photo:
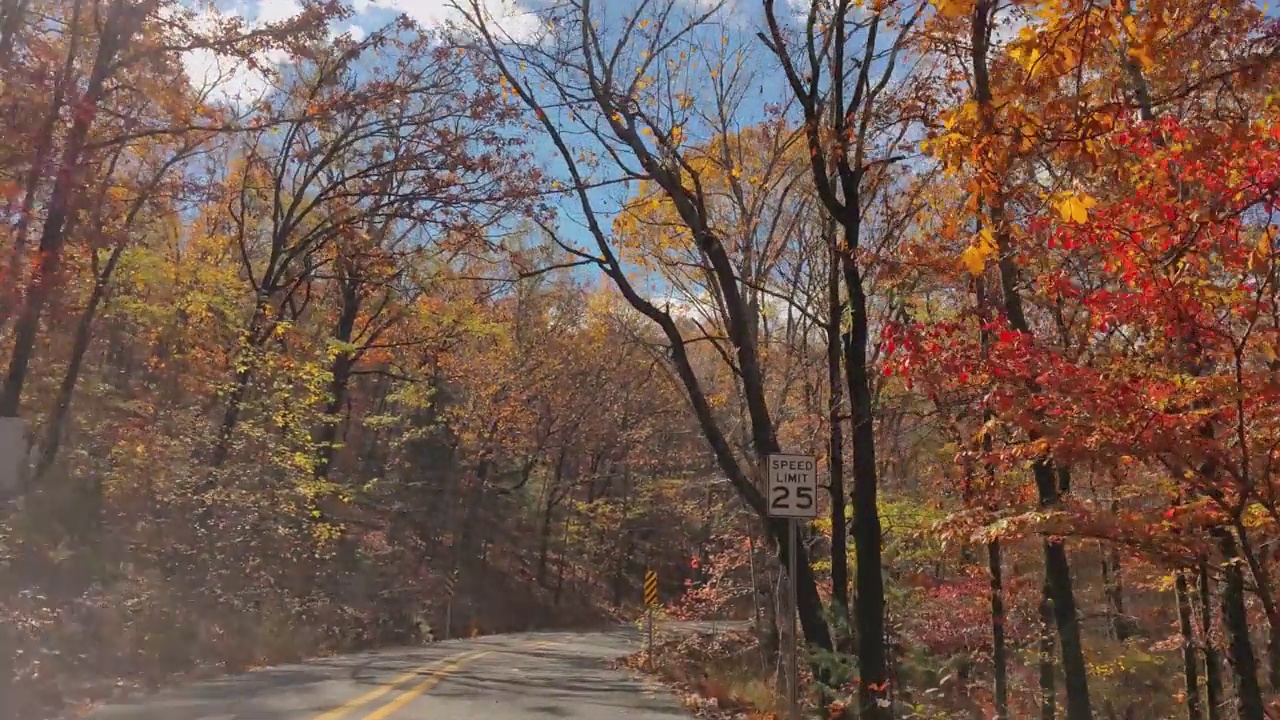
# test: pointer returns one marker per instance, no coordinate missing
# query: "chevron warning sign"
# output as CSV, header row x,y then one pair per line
x,y
651,588
449,582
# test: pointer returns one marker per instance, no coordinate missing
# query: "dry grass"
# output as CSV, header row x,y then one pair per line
x,y
719,676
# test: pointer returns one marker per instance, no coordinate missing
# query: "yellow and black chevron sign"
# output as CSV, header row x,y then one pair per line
x,y
651,588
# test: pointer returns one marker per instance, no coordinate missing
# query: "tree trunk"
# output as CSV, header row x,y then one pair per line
x,y
1114,588
340,376
998,655
1048,686
835,448
1212,668
12,15
1058,572
1262,587
79,345
230,418
1190,665
260,329
544,536
869,581
1235,620
998,658
1121,628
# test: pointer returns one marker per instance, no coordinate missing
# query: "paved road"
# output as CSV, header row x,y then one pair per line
x,y
533,676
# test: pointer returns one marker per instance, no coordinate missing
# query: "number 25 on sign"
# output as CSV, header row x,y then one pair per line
x,y
793,486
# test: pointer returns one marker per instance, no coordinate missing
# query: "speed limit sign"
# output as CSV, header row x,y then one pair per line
x,y
793,486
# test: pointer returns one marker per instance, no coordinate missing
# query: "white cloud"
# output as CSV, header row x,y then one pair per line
x,y
225,78
272,11
230,80
509,16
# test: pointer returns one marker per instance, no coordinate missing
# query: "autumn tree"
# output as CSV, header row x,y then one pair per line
x,y
1029,168
620,79
838,64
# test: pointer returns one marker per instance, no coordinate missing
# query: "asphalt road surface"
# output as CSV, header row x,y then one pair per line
x,y
528,676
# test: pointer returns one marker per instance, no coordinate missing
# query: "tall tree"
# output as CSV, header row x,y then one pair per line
x,y
629,83
839,70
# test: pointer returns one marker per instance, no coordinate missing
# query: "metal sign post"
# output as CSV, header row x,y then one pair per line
x,y
651,602
793,490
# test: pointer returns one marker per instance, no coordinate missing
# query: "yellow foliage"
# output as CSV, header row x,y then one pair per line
x,y
976,255
1075,208
954,8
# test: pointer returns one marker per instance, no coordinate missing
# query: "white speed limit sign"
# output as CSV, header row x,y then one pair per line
x,y
793,486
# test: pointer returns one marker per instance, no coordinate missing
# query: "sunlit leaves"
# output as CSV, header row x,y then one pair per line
x,y
1075,207
954,8
975,256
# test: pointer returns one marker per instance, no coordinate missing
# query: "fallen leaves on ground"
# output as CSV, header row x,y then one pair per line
x,y
688,664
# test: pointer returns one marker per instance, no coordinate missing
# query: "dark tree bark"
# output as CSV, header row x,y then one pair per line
x,y
998,654
1212,666
1235,620
1190,664
835,462
1262,588
1048,682
326,435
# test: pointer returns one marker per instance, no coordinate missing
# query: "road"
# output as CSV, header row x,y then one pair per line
x,y
503,677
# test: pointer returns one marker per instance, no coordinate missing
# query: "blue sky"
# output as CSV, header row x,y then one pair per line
x,y
737,21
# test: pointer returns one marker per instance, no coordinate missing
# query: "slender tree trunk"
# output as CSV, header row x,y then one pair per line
x,y
1120,625
1235,620
544,537
12,15
79,345
998,658
998,655
1262,587
870,608
1114,588
14,12
1212,667
835,448
340,376
260,329
1075,672
230,417
562,561
1190,665
1048,685
771,635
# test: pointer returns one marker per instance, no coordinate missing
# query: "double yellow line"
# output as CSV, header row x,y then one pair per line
x,y
435,673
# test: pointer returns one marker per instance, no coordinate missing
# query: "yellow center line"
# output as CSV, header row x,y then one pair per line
x,y
439,670
434,679
385,688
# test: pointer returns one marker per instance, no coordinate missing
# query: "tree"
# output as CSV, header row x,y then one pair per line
x,y
622,84
854,124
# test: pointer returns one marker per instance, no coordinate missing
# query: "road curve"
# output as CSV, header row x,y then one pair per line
x,y
503,677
